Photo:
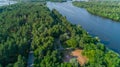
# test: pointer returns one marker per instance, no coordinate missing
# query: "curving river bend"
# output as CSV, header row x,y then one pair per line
x,y
107,30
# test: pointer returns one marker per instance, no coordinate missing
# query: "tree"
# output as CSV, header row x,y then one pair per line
x,y
74,62
0,65
72,43
20,62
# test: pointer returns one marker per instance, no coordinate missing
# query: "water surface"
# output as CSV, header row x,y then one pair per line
x,y
107,30
3,2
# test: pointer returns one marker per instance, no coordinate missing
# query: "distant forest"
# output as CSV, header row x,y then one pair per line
x,y
40,0
103,0
109,10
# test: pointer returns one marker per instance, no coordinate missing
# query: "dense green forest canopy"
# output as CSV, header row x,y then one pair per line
x,y
104,0
40,0
105,9
32,26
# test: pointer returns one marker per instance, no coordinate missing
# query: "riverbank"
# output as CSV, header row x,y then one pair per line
x,y
103,9
107,30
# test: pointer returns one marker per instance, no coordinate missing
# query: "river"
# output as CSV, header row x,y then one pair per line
x,y
3,2
107,30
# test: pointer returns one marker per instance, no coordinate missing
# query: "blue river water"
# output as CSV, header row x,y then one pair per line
x,y
107,30
3,3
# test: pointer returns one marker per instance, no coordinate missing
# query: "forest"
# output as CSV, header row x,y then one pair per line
x,y
32,26
40,0
106,9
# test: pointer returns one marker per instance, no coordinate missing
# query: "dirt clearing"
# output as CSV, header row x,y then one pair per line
x,y
78,54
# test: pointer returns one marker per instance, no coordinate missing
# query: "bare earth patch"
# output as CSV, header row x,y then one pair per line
x,y
78,54
69,54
